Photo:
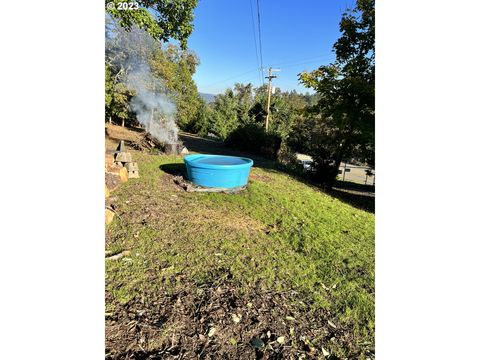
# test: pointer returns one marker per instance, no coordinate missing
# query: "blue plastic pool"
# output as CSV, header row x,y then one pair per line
x,y
218,170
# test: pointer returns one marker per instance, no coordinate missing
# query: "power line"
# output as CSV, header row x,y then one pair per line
x,y
260,40
300,61
255,42
231,77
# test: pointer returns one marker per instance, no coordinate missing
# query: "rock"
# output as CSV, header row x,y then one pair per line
x,y
256,343
109,215
123,173
119,255
112,181
211,332
107,192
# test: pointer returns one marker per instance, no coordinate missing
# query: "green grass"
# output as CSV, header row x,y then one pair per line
x,y
278,234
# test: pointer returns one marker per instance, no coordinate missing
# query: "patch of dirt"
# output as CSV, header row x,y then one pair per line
x,y
123,133
226,220
255,176
215,321
136,138
165,209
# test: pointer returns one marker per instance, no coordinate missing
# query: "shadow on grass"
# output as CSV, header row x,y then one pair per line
x,y
355,186
363,201
174,169
358,195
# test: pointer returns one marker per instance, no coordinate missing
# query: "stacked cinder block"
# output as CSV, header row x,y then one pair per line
x,y
124,158
132,168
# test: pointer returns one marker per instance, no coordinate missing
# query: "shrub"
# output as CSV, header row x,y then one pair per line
x,y
253,138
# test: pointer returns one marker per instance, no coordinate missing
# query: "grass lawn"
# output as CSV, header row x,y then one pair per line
x,y
280,270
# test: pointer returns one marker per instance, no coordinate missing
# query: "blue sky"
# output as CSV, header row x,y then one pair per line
x,y
297,35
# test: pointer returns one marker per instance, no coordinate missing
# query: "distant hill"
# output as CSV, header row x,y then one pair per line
x,y
207,97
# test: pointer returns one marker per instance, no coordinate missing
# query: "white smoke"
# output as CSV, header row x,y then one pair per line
x,y
153,107
152,103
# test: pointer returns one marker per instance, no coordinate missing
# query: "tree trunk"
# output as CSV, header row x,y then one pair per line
x,y
327,172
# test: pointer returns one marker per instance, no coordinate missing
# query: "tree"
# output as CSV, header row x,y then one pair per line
x,y
162,19
176,67
242,111
202,124
109,91
244,96
117,98
225,114
344,124
169,69
286,108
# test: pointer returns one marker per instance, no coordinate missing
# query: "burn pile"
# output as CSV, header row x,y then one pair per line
x,y
153,103
168,148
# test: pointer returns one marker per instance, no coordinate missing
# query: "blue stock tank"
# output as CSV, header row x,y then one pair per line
x,y
218,170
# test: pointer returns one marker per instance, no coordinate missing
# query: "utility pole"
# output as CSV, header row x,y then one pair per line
x,y
269,77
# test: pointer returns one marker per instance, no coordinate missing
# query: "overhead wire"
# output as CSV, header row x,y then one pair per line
x,y
231,77
285,64
290,64
299,61
255,42
260,41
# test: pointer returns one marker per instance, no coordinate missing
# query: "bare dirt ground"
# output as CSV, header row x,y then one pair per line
x,y
253,326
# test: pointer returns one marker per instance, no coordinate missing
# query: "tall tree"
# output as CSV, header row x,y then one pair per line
x,y
162,19
170,66
225,116
203,119
244,95
176,67
345,122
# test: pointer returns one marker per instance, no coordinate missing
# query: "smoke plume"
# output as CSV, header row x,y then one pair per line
x,y
153,103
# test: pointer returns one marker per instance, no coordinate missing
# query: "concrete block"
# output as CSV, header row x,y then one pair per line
x,y
121,146
133,166
123,157
133,174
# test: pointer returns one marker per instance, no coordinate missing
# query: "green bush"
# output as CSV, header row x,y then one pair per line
x,y
253,138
